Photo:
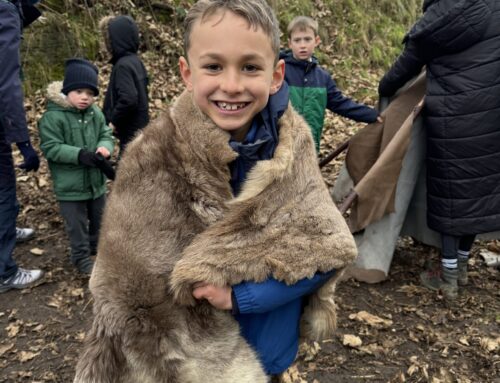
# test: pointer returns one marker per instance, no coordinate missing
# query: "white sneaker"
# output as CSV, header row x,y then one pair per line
x,y
24,234
21,279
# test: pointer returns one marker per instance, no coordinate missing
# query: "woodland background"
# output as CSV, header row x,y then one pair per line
x,y
395,331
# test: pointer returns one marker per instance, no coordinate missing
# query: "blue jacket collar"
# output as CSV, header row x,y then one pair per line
x,y
261,140
290,60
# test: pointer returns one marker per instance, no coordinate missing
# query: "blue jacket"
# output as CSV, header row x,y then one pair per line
x,y
269,312
312,90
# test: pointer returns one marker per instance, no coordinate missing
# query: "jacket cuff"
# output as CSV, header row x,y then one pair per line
x,y
244,299
235,310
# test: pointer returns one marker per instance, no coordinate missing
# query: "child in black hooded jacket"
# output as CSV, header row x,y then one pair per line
x,y
126,101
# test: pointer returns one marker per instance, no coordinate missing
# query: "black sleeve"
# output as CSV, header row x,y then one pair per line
x,y
127,96
408,65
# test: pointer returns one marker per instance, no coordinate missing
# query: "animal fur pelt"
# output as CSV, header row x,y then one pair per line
x,y
171,221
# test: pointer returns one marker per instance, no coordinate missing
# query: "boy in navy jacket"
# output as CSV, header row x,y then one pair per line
x,y
312,89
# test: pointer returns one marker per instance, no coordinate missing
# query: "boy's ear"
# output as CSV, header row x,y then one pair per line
x,y
185,72
278,77
289,43
317,40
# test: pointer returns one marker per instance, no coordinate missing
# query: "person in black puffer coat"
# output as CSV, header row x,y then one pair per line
x,y
459,43
126,101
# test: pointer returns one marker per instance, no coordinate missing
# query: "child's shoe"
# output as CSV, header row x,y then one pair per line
x,y
24,234
444,280
84,265
463,280
21,279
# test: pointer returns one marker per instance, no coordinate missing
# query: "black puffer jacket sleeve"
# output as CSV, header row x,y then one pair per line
x,y
127,98
408,65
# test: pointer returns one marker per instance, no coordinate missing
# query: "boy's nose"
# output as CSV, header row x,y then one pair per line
x,y
231,83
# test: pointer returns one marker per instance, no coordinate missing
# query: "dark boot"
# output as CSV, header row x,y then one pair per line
x,y
444,280
462,272
84,265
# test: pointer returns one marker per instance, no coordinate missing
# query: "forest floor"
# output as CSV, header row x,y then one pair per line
x,y
412,335
395,331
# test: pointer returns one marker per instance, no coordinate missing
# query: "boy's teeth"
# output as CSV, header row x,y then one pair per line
x,y
226,106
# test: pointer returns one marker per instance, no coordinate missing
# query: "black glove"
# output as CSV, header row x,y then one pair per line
x,y
87,158
31,161
105,166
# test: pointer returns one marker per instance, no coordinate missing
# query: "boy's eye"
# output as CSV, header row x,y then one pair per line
x,y
212,67
250,68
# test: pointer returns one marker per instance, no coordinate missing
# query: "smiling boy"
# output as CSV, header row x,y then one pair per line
x,y
232,222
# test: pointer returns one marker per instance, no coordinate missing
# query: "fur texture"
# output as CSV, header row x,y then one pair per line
x,y
104,28
55,94
171,221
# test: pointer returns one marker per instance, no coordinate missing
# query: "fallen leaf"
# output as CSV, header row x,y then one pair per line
x,y
24,356
351,340
6,347
490,344
13,329
463,340
37,251
370,319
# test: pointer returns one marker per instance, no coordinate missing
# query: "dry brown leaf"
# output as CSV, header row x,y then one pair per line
x,y
490,344
13,329
25,356
370,319
77,292
37,251
494,246
464,340
6,347
351,340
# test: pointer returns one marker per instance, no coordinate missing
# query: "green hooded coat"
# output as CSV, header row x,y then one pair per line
x,y
64,131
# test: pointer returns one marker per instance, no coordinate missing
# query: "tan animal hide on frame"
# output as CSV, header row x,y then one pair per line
x,y
171,221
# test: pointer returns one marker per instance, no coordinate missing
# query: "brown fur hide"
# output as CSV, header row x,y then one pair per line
x,y
171,221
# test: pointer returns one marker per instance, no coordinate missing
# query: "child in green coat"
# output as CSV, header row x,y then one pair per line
x,y
76,142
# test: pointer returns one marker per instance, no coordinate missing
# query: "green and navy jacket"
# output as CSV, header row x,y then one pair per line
x,y
312,90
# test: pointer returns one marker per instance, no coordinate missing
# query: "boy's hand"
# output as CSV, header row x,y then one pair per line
x,y
103,151
219,297
380,118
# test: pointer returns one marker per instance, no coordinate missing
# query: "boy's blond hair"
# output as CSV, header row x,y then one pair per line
x,y
302,23
257,13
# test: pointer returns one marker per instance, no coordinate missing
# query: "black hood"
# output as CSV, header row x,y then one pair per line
x,y
123,36
450,26
427,4
27,10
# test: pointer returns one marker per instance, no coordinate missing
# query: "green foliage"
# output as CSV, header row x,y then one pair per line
x,y
355,34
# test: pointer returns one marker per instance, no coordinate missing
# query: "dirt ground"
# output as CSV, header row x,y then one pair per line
x,y
395,331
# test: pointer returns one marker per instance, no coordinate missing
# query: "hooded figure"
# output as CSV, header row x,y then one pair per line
x,y
459,43
126,101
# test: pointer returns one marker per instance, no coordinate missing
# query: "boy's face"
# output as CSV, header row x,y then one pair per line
x,y
231,71
302,43
81,98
